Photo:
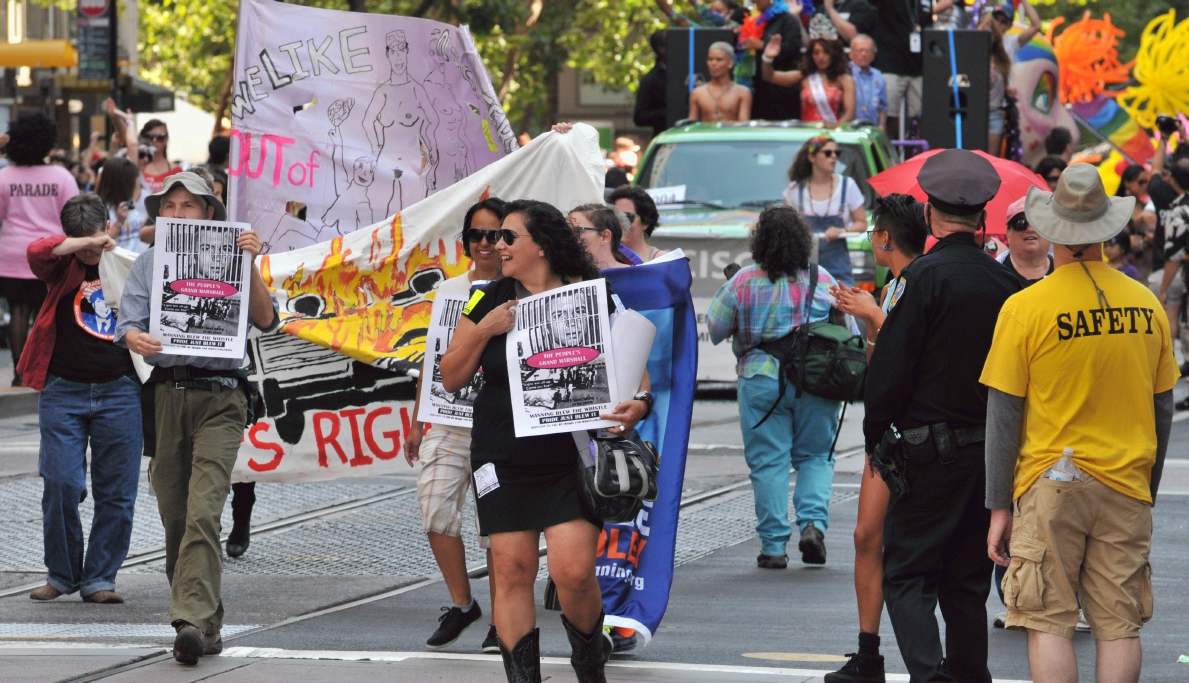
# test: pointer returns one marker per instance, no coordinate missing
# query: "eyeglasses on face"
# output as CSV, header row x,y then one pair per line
x,y
1019,223
829,152
1053,178
475,235
578,230
871,232
509,237
631,216
157,137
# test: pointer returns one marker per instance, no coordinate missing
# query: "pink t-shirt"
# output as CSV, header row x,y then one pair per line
x,y
31,200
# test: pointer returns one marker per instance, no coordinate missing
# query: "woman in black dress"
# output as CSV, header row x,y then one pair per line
x,y
537,477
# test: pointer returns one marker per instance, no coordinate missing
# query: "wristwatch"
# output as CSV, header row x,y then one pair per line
x,y
648,399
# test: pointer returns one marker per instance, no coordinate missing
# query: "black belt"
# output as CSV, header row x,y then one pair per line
x,y
213,386
962,437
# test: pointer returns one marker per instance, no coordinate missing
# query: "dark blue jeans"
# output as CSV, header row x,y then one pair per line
x,y
107,416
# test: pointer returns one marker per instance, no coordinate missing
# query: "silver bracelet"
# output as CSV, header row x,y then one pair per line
x,y
766,59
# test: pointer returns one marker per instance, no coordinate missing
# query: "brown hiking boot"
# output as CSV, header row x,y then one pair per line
x,y
212,644
46,592
189,644
104,598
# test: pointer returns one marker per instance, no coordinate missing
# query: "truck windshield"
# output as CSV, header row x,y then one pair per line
x,y
739,173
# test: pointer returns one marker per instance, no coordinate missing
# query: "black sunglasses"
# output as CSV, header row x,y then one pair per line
x,y
475,235
829,152
1053,178
631,216
158,136
1019,223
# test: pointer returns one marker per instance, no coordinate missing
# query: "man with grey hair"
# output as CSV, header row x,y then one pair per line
x,y
871,89
200,408
89,395
721,99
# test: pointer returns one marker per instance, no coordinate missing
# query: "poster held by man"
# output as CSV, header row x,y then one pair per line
x,y
197,307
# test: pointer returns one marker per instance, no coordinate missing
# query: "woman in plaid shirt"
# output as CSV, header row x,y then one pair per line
x,y
766,301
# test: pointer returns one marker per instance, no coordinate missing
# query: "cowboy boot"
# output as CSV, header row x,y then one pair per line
x,y
588,652
523,663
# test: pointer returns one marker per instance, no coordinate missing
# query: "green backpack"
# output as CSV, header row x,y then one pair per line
x,y
823,358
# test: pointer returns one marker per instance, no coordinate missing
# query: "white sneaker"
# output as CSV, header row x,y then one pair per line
x,y
1083,626
1000,620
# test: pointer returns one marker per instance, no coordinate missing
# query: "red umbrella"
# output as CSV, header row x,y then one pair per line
x,y
1016,179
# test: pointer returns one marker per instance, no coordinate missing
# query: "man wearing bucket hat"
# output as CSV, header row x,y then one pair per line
x,y
196,410
924,426
1080,379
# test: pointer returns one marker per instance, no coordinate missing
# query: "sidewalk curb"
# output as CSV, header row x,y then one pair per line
x,y
18,401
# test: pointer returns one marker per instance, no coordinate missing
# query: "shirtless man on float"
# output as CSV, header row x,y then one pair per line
x,y
721,99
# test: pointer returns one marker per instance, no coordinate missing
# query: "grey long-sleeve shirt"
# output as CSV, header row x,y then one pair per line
x,y
134,314
1005,422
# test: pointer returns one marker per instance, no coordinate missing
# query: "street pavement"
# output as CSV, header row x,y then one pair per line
x,y
339,582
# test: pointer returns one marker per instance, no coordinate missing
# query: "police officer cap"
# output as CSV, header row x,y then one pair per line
x,y
958,182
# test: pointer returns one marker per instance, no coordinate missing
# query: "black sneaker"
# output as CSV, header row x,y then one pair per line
x,y
1182,404
812,545
453,623
621,643
772,561
491,644
859,669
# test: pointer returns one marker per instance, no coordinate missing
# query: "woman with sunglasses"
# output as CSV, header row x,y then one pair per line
x,y
1028,253
537,477
445,455
599,230
1050,168
156,135
1133,182
831,203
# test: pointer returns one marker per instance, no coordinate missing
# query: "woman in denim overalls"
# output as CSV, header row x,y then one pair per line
x,y
831,203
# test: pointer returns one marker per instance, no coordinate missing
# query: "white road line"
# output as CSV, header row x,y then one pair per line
x,y
276,653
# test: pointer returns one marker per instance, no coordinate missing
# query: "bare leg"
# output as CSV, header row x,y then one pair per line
x,y
452,560
571,564
873,505
491,583
1052,658
1119,660
994,143
516,558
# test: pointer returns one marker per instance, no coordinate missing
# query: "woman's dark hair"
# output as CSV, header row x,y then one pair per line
x,y
549,229
603,217
802,167
31,137
118,181
1057,140
904,219
1128,175
645,207
1000,60
839,62
1047,164
492,204
782,242
150,125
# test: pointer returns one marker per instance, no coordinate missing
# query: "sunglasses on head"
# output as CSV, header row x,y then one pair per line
x,y
1018,222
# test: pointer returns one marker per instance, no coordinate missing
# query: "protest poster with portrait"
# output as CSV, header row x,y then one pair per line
x,y
199,302
562,348
438,406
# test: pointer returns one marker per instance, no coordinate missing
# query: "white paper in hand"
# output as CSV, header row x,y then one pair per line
x,y
631,337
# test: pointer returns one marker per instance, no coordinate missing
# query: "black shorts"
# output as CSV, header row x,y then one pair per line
x,y
23,292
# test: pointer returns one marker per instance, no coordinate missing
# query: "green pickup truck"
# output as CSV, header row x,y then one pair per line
x,y
711,181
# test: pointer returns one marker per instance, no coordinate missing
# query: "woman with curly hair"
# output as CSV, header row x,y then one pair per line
x,y
32,194
831,203
764,302
534,482
827,88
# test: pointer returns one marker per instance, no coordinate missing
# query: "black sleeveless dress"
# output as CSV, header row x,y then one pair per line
x,y
538,475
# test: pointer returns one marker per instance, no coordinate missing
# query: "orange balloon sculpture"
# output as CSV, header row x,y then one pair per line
x,y
1087,53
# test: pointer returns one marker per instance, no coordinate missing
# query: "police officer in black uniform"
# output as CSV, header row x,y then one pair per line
x,y
925,418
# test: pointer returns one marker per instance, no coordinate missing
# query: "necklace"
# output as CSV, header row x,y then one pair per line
x,y
710,89
812,211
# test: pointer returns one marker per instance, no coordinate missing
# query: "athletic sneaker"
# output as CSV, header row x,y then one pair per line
x,y
812,545
491,644
1000,620
453,623
621,643
860,668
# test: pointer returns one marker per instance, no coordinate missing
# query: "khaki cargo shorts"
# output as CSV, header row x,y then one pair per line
x,y
445,480
1079,538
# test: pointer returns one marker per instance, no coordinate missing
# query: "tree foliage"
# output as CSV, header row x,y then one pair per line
x,y
188,44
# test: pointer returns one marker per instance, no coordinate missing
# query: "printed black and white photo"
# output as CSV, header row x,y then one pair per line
x,y
561,346
199,305
439,406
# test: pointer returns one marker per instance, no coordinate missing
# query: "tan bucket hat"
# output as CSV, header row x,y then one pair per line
x,y
192,182
1079,211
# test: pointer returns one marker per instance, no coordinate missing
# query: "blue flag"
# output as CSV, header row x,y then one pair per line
x,y
635,561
